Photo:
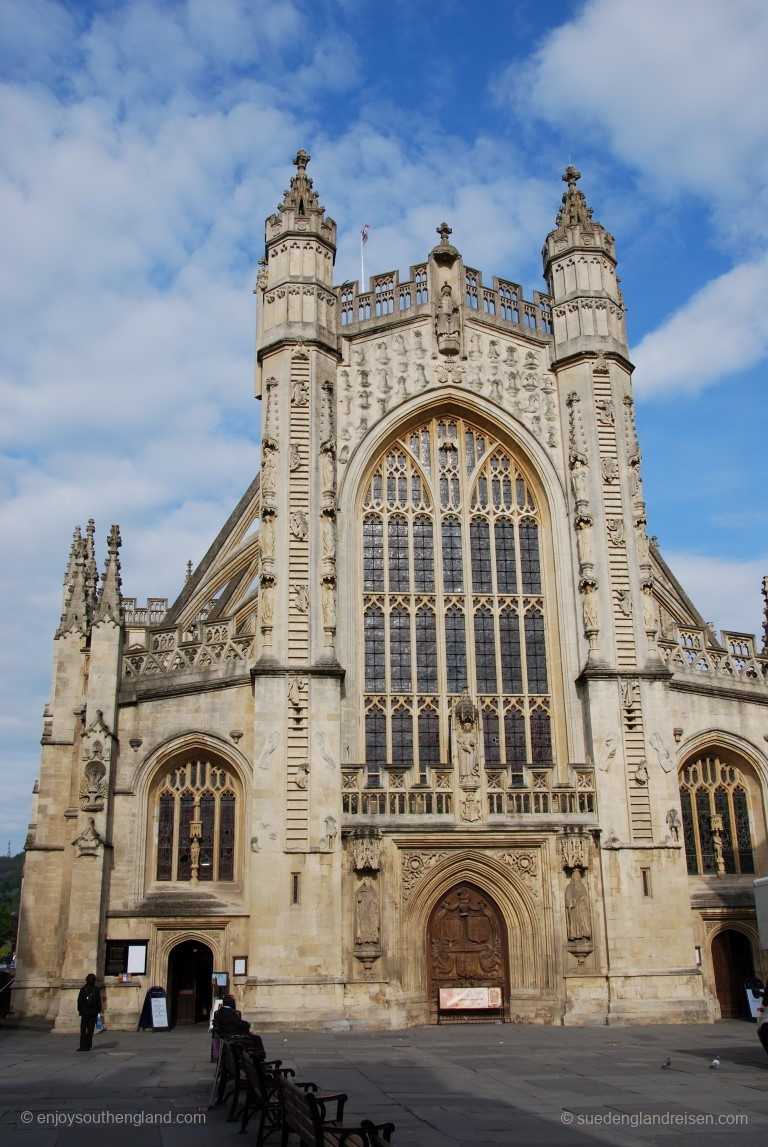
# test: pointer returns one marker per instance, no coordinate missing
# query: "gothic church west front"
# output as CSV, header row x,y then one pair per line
x,y
432,731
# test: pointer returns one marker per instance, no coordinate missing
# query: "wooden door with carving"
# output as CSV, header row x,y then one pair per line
x,y
467,945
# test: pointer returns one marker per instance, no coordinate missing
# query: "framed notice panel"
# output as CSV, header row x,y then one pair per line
x,y
464,999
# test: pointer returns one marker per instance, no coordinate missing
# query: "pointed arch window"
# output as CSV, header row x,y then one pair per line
x,y
453,595
196,806
715,808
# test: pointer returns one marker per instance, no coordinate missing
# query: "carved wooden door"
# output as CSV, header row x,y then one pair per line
x,y
467,944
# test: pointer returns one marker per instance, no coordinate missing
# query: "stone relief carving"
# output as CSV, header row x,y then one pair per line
x,y
448,322
329,606
88,842
624,601
271,743
267,538
330,832
299,525
641,774
470,809
662,752
574,849
295,459
270,413
522,861
295,687
301,776
616,534
299,392
93,789
329,538
610,745
633,446
584,541
604,408
267,603
609,468
650,612
301,593
365,849
322,742
588,590
268,472
414,865
367,914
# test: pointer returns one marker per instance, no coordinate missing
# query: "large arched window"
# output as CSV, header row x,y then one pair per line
x,y
196,816
453,596
715,807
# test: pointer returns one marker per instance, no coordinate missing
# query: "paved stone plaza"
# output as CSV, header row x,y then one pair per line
x,y
463,1085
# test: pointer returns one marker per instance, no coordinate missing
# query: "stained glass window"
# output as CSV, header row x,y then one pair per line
x,y
453,597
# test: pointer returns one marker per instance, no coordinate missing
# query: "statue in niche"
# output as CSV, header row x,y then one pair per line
x,y
329,607
577,912
584,540
267,537
263,275
268,470
299,392
673,824
590,607
327,469
367,914
329,538
447,322
579,481
302,597
650,616
267,603
299,525
466,741
194,853
295,460
643,549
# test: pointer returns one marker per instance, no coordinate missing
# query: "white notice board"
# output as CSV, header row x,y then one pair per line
x,y
159,1012
452,999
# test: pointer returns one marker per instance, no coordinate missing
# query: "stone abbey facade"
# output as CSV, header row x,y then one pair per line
x,y
432,713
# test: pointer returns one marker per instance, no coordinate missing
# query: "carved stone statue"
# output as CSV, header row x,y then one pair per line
x,y
328,470
466,741
584,541
673,823
330,831
267,603
579,482
447,321
577,912
329,607
302,597
329,538
267,537
367,914
299,392
295,460
88,842
590,607
268,470
93,790
301,778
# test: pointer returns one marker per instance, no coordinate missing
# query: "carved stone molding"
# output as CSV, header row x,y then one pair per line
x,y
364,845
574,849
414,866
523,862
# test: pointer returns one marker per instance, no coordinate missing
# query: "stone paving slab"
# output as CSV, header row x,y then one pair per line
x,y
460,1086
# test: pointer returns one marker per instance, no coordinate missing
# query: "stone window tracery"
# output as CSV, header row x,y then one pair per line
x,y
452,595
196,805
715,808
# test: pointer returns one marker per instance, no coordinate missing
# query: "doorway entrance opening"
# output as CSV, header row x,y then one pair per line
x,y
732,961
190,968
467,948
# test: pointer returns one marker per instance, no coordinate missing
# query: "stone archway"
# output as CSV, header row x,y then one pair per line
x,y
732,963
466,944
190,970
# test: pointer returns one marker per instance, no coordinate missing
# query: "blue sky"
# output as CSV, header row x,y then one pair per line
x,y
143,143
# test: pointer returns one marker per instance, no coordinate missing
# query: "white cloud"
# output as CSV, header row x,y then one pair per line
x,y
726,592
721,330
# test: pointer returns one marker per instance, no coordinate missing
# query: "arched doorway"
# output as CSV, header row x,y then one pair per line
x,y
190,969
466,945
732,962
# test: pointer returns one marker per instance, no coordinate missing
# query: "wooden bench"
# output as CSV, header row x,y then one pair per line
x,y
377,1135
263,1095
317,1119
231,1071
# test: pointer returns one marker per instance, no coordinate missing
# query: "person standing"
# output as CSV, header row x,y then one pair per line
x,y
88,1007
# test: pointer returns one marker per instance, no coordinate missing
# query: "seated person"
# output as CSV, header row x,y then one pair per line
x,y
227,1021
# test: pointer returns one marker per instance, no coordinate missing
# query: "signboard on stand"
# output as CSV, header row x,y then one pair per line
x,y
154,1013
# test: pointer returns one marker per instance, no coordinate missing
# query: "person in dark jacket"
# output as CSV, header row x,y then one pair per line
x,y
227,1021
88,1007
